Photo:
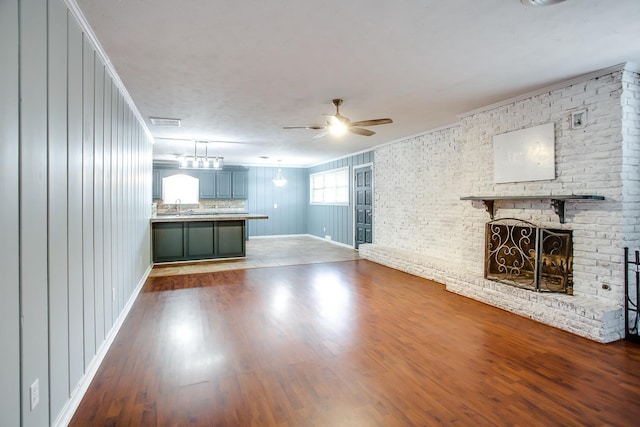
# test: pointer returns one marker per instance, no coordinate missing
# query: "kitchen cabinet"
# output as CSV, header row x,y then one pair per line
x,y
168,241
231,239
240,184
156,188
207,184
200,239
184,240
229,183
223,184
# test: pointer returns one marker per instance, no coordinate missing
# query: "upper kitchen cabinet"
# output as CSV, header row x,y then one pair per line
x,y
240,184
158,176
229,183
223,184
207,184
156,188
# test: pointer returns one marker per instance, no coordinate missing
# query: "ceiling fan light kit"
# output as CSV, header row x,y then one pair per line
x,y
338,124
337,128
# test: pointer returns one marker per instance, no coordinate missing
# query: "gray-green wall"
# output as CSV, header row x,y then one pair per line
x,y
75,181
286,206
9,235
332,220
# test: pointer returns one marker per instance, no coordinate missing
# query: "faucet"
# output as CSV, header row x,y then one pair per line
x,y
178,203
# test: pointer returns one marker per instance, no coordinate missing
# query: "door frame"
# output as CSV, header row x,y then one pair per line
x,y
353,207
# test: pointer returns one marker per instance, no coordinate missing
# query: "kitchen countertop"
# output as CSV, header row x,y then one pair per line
x,y
190,217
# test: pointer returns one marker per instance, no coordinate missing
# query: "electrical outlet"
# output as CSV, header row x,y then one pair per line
x,y
275,206
35,393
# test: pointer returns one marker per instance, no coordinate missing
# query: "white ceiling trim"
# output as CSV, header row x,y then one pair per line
x,y
86,28
556,86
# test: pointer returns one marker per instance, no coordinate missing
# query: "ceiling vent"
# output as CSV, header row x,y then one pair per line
x,y
157,121
540,2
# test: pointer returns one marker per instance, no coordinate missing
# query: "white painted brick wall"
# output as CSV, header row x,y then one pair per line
x,y
416,204
630,102
426,230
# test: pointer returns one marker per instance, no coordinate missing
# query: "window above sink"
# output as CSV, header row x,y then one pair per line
x,y
180,189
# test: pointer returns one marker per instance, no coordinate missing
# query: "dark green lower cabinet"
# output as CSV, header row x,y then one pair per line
x,y
231,238
197,240
168,241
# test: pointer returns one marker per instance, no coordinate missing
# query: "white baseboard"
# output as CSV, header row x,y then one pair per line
x,y
69,409
333,242
277,236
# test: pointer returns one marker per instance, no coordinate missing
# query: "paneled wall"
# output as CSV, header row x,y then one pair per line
x,y
286,206
332,220
75,180
9,235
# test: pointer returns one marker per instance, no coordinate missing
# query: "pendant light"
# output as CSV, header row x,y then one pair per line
x,y
279,180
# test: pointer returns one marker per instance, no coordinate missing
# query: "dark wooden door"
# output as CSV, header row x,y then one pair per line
x,y
364,206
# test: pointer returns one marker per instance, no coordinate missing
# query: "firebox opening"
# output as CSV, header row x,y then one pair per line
x,y
521,254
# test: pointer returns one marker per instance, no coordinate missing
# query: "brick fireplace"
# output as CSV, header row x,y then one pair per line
x,y
427,230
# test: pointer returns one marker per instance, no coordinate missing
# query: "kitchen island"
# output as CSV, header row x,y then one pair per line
x,y
195,236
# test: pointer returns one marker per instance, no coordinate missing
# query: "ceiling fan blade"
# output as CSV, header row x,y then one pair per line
x,y
360,131
372,122
320,135
312,127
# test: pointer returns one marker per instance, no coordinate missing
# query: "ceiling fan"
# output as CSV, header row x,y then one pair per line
x,y
338,124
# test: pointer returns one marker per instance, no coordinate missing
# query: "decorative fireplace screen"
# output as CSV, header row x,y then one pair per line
x,y
521,254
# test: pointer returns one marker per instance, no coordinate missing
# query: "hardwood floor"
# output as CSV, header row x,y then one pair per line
x,y
348,343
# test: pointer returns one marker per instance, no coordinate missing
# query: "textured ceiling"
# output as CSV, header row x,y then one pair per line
x,y
238,71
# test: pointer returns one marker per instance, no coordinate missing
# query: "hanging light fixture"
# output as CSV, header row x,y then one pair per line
x,y
197,162
217,162
279,180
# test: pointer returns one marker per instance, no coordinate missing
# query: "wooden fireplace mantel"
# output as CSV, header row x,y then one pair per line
x,y
557,202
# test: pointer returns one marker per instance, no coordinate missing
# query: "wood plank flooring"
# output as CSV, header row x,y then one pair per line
x,y
348,343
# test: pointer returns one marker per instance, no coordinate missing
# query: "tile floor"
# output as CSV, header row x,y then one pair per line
x,y
267,252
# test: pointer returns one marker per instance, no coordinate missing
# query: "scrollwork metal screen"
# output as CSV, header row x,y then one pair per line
x,y
521,254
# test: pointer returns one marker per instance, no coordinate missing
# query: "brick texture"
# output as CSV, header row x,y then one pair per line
x,y
422,227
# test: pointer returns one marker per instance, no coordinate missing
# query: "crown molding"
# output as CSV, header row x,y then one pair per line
x,y
76,12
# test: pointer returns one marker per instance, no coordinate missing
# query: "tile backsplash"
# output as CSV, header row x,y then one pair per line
x,y
224,206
